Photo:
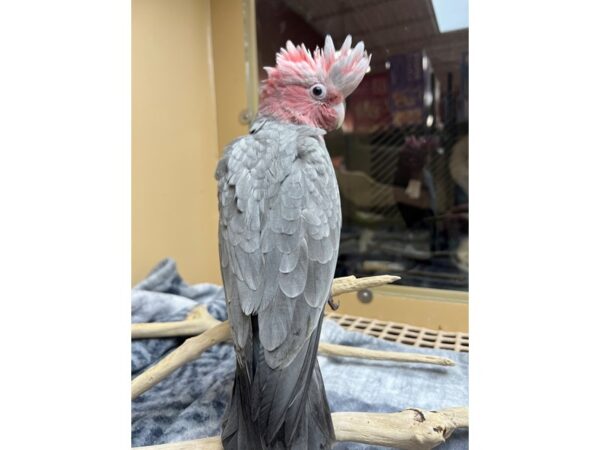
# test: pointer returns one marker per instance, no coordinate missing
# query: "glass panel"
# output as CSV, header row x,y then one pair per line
x,y
401,156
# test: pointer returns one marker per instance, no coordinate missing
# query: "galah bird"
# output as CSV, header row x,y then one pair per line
x,y
279,231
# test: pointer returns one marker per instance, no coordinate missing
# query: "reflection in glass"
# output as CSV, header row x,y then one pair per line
x,y
401,156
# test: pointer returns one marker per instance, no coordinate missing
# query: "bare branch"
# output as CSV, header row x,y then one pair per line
x,y
200,320
352,284
411,429
190,350
193,347
334,350
215,332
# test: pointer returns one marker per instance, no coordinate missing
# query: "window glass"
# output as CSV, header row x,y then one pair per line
x,y
401,156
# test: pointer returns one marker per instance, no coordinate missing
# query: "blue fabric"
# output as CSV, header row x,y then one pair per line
x,y
190,402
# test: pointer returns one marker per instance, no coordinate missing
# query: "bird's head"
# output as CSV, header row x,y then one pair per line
x,y
311,89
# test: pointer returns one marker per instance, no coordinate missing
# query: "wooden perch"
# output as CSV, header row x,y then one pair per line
x,y
334,350
199,320
190,350
193,347
411,429
352,284
215,332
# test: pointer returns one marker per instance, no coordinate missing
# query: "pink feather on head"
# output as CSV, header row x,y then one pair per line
x,y
345,70
288,92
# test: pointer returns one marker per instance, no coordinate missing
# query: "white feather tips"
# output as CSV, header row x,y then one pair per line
x,y
329,48
350,66
344,68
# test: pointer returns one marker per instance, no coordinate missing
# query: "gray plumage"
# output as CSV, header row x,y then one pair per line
x,y
279,231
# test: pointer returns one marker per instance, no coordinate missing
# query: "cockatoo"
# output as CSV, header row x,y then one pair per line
x,y
279,231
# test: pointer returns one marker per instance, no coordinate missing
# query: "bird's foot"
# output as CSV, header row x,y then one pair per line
x,y
333,304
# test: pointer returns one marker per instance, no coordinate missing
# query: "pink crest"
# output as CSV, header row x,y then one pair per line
x,y
344,69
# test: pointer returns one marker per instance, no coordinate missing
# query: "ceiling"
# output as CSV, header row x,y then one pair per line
x,y
387,27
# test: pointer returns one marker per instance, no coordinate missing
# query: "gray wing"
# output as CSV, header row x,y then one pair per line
x,y
278,236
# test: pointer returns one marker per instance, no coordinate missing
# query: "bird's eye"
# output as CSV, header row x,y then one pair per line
x,y
318,91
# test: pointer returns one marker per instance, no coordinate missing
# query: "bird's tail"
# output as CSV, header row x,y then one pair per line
x,y
284,408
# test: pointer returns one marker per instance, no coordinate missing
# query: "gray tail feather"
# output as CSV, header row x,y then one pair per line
x,y
238,433
278,409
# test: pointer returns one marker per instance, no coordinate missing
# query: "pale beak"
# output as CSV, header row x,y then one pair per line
x,y
340,110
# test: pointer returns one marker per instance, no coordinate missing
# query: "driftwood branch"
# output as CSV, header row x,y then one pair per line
x,y
334,350
193,347
200,320
215,332
190,350
411,429
351,284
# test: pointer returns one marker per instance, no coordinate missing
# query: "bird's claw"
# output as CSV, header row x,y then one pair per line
x,y
333,304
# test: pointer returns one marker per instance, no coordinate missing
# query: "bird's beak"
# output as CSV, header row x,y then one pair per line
x,y
340,110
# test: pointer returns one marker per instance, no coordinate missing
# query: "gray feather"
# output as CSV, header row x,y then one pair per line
x,y
223,253
290,260
287,243
274,322
270,275
319,280
249,267
320,250
278,238
304,322
292,283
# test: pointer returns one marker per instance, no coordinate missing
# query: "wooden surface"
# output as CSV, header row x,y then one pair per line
x,y
346,351
214,332
191,349
410,429
194,346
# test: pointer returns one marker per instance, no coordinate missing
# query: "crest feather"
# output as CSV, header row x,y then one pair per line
x,y
345,69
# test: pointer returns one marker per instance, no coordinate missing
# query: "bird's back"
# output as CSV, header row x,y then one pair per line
x,y
279,229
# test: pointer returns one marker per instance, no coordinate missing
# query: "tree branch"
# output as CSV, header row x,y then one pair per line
x,y
200,320
193,347
215,332
411,429
346,351
190,350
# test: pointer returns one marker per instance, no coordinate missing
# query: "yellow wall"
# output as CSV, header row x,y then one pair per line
x,y
230,68
174,139
430,308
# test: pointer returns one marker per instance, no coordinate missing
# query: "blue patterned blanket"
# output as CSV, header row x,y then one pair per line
x,y
190,402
